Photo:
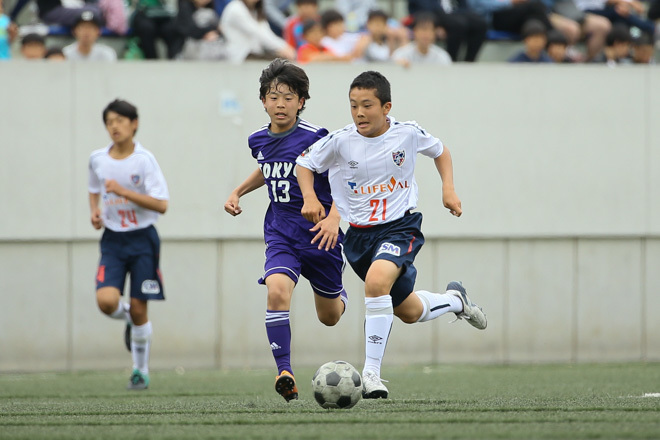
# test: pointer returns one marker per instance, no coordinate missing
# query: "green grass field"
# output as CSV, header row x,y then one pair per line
x,y
448,402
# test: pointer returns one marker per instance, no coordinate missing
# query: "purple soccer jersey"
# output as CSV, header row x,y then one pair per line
x,y
286,231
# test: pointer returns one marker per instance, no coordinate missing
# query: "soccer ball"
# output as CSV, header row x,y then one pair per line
x,y
337,384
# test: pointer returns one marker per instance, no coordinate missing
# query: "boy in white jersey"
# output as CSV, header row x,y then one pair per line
x,y
129,182
375,189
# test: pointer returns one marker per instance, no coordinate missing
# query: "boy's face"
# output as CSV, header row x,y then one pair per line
x,y
86,33
424,34
33,51
314,35
535,43
557,52
335,29
377,27
621,49
308,11
643,54
120,128
369,115
282,105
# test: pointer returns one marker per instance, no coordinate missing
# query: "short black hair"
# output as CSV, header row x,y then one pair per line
x,y
330,16
372,80
309,24
33,38
556,37
121,107
53,51
423,18
377,13
307,2
533,27
644,39
281,71
619,34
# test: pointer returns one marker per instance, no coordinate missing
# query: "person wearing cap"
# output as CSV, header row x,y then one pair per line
x,y
87,30
535,37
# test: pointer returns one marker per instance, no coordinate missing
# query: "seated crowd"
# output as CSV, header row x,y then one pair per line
x,y
435,31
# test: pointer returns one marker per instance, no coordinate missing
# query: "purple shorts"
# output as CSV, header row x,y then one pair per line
x,y
323,269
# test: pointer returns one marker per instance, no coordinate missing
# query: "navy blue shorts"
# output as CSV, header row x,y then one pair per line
x,y
398,241
135,252
323,269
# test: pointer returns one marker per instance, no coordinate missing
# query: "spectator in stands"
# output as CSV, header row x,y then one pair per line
x,y
628,12
198,24
557,46
277,12
151,20
376,44
313,50
462,27
33,47
305,10
617,46
87,30
55,54
356,15
423,48
336,38
511,15
643,49
653,13
57,12
8,32
576,25
248,35
535,38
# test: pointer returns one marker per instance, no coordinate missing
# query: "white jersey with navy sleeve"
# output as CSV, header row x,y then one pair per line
x,y
372,179
138,172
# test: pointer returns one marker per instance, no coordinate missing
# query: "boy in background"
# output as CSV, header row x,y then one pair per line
x,y
87,31
422,50
293,31
535,38
313,50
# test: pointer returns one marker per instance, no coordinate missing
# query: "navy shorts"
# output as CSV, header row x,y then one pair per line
x,y
398,241
135,252
323,269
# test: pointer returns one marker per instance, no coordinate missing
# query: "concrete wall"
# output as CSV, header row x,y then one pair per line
x,y
557,168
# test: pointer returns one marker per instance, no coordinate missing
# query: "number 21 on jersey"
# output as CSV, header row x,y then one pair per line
x,y
379,208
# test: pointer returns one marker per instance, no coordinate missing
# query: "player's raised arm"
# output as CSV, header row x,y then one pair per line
x,y
449,198
312,209
254,180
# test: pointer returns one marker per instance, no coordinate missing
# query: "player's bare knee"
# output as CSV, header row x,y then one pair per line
x,y
329,319
406,317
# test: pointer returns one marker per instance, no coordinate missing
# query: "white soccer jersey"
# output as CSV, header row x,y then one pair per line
x,y
372,179
138,172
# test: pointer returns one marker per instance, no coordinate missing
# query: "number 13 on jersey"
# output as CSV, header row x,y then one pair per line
x,y
379,207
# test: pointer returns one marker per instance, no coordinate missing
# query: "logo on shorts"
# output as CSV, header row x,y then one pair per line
x,y
135,178
389,248
399,157
150,287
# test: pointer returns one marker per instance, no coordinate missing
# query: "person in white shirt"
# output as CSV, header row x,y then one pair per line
x,y
128,181
87,31
371,164
248,34
422,50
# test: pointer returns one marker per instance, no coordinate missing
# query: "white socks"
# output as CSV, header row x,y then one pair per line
x,y
123,312
437,304
377,325
140,345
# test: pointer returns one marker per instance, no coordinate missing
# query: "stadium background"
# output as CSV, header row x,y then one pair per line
x,y
558,168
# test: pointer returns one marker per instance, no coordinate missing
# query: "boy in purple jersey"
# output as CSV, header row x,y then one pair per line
x,y
373,185
288,235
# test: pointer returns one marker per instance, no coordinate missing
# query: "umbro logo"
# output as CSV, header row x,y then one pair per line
x,y
274,346
260,156
353,164
375,339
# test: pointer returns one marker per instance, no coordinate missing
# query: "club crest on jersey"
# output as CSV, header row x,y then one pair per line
x,y
399,157
135,178
389,248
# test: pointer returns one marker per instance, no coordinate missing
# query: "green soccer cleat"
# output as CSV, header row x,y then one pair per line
x,y
138,381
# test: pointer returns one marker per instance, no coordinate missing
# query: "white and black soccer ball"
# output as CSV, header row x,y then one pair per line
x,y
337,384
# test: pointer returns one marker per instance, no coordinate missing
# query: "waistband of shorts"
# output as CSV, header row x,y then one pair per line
x,y
353,225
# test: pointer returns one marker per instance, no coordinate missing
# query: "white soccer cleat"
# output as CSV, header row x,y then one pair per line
x,y
472,313
372,386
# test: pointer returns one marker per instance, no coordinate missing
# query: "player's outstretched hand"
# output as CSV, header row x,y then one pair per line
x,y
97,221
328,231
452,202
231,205
313,210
